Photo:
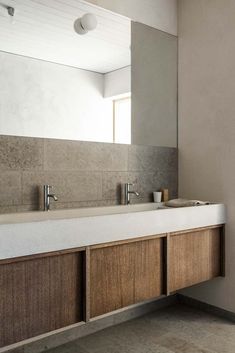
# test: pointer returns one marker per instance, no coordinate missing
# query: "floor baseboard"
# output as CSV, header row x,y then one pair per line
x,y
211,309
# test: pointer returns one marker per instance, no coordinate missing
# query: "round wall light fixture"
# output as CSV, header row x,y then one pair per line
x,y
86,23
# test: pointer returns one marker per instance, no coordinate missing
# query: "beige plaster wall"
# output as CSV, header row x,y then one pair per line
x,y
207,122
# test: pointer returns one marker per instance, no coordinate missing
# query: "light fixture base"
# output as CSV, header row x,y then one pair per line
x,y
86,23
11,11
78,27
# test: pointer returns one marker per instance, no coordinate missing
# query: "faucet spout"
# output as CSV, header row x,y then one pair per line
x,y
55,198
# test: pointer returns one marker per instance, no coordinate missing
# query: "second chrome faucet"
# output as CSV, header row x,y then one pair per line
x,y
47,196
128,192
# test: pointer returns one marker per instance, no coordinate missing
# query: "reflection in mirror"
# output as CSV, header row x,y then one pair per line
x,y
74,90
67,72
154,86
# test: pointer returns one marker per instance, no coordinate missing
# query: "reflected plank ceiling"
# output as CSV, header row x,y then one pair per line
x,y
43,29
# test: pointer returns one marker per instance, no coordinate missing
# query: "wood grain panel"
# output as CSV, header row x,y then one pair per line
x,y
41,255
128,241
125,274
40,295
194,257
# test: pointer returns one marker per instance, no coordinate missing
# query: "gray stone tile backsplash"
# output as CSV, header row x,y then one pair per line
x,y
10,188
84,174
85,156
19,153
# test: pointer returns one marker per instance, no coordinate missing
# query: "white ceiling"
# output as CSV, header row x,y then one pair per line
x,y
43,29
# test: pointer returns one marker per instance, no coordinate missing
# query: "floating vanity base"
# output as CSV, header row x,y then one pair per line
x,y
44,292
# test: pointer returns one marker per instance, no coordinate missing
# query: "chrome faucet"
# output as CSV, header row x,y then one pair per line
x,y
47,196
128,192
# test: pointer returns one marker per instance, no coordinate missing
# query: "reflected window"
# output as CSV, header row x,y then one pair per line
x,y
122,120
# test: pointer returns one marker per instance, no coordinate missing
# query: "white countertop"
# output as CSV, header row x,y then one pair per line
x,y
39,232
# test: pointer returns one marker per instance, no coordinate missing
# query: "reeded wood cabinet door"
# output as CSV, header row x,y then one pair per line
x,y
40,295
125,274
194,257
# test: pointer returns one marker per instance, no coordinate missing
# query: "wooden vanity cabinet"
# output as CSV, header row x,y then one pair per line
x,y
42,293
125,274
39,294
195,256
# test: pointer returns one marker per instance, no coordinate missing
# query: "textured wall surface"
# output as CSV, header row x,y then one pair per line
x,y
207,123
161,14
82,173
154,87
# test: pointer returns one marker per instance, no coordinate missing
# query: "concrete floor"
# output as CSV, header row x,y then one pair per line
x,y
177,329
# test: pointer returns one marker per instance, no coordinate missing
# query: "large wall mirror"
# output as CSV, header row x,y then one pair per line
x,y
101,78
